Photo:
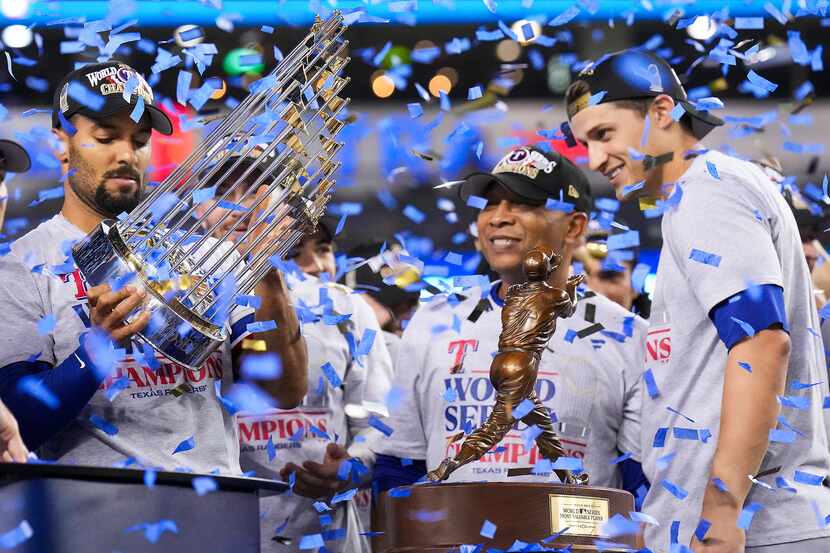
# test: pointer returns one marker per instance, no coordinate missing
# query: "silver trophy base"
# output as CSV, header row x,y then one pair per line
x,y
103,256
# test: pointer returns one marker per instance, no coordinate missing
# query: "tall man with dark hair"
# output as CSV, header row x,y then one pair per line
x,y
140,408
734,357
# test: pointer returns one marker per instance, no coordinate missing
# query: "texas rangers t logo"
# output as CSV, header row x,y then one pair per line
x,y
460,349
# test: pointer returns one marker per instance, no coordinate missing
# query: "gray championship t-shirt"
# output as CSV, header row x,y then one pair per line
x,y
342,388
590,384
740,217
151,411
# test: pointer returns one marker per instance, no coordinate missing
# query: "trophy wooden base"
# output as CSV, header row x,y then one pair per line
x,y
441,517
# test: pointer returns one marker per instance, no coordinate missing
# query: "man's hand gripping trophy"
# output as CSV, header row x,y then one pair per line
x,y
528,321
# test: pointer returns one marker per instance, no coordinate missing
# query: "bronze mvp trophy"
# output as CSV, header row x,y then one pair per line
x,y
283,134
557,515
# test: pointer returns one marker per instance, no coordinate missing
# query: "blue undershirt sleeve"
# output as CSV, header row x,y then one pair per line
x,y
73,383
390,472
748,312
633,477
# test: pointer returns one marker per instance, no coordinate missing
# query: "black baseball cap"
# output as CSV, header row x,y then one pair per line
x,y
536,176
636,74
107,81
16,158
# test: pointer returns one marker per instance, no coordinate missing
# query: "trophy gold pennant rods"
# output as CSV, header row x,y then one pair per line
x,y
278,147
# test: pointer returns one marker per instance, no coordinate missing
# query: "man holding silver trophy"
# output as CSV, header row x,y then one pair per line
x,y
148,406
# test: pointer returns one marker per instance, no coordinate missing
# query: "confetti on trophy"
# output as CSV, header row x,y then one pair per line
x,y
278,146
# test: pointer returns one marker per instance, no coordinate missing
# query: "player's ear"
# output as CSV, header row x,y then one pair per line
x,y
660,111
577,226
61,146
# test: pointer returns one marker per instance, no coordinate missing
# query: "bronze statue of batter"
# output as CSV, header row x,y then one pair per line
x,y
528,321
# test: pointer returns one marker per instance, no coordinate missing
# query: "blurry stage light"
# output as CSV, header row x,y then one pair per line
x,y
220,88
526,31
439,83
16,36
424,45
188,36
449,73
243,61
508,50
702,28
559,75
14,9
382,84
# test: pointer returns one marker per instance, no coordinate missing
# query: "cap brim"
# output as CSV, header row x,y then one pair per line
x,y
158,119
17,159
702,121
475,184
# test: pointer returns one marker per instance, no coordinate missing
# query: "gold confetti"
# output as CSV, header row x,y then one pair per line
x,y
648,202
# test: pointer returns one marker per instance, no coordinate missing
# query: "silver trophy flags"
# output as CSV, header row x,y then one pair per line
x,y
277,147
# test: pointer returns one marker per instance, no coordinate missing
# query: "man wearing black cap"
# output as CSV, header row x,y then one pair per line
x,y
13,159
588,375
733,323
148,410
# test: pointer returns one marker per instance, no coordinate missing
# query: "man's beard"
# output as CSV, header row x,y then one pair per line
x,y
101,200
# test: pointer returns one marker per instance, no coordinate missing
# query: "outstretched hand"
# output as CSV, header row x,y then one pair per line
x,y
319,480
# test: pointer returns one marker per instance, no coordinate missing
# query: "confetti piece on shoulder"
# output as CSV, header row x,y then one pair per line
x,y
705,258
713,169
185,445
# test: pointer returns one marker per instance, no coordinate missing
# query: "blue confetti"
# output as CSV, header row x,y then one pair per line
x,y
782,435
204,485
573,464
154,530
523,408
761,82
344,496
261,366
808,478
660,437
271,448
35,387
477,202
311,541
705,257
621,458
15,537
746,327
415,110
651,385
185,445
103,425
414,214
713,170
380,426
745,518
46,325
488,529
702,527
150,478
745,366
674,489
261,326
331,375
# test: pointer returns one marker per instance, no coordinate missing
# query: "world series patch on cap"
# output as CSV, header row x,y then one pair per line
x,y
536,176
104,89
636,74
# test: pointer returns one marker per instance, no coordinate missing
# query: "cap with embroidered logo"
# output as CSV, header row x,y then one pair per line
x,y
535,176
97,91
636,74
